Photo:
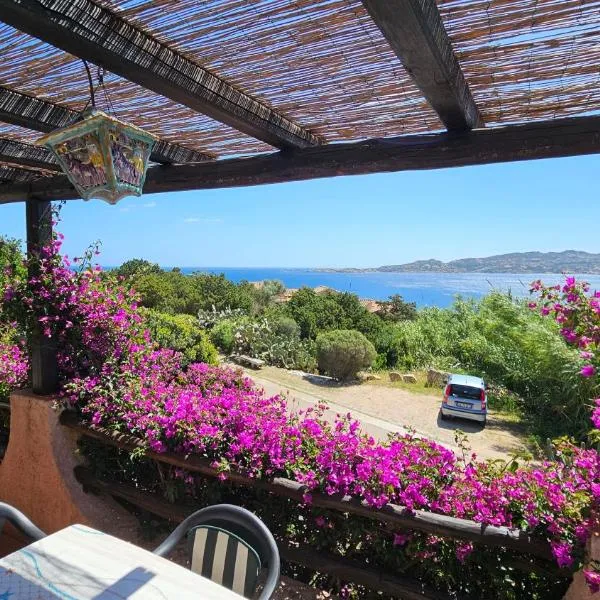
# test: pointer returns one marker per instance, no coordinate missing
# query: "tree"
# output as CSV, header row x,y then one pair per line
x,y
314,313
136,267
265,293
396,309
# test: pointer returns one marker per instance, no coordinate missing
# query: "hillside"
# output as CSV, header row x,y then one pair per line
x,y
570,261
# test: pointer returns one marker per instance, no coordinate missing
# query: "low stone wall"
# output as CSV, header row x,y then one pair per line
x,y
36,474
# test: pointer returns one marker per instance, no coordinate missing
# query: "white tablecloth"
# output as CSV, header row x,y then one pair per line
x,y
80,563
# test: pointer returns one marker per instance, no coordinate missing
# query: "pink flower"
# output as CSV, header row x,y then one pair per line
x,y
463,550
562,553
588,371
592,578
400,539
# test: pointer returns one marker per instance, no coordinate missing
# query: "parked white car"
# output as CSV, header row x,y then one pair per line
x,y
465,397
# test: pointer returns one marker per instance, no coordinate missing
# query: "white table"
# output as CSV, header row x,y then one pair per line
x,y
80,563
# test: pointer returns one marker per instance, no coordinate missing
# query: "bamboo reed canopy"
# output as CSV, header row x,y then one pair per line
x,y
243,93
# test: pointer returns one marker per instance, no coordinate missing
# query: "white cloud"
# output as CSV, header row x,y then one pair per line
x,y
136,206
202,220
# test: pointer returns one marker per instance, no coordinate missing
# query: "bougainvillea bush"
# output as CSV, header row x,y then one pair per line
x,y
116,377
577,311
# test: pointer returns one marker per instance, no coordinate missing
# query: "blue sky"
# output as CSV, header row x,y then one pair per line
x,y
371,220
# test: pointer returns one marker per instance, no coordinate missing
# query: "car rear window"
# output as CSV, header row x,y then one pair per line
x,y
465,391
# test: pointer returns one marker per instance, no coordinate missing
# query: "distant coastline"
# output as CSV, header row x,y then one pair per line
x,y
569,261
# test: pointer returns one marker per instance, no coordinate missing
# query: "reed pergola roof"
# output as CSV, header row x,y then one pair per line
x,y
242,93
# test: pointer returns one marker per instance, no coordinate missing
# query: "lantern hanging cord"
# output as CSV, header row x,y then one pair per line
x,y
92,97
102,85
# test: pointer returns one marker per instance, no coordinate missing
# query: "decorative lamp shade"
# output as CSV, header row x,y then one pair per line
x,y
102,157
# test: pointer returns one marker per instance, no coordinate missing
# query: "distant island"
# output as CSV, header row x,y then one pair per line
x,y
569,261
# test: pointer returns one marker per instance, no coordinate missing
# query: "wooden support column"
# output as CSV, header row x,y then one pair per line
x,y
42,350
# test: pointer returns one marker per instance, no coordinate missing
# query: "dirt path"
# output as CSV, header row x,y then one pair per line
x,y
383,409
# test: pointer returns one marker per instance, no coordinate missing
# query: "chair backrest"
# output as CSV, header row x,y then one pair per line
x,y
225,558
229,542
16,518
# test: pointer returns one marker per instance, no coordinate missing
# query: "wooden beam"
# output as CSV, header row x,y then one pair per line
x,y
14,175
42,350
550,139
92,32
20,153
40,115
415,31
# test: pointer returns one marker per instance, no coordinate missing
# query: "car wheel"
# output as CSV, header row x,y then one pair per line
x,y
483,423
443,417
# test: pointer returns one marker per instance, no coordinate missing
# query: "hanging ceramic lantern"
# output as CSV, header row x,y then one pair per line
x,y
102,156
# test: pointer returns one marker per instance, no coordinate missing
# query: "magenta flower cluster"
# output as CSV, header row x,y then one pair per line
x,y
14,366
88,319
218,414
577,311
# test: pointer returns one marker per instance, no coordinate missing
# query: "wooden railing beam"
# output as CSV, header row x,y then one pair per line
x,y
395,516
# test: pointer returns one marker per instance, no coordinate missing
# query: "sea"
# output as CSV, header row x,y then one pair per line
x,y
425,289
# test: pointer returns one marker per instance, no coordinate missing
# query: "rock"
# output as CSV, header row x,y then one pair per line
x,y
363,376
248,361
409,378
436,378
395,376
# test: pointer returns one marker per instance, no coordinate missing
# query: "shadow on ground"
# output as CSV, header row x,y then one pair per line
x,y
329,382
454,423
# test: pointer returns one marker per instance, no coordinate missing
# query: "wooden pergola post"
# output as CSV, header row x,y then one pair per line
x,y
42,350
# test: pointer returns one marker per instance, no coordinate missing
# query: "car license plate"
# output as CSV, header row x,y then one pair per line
x,y
463,404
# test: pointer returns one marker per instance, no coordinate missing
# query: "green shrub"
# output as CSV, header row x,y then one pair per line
x,y
182,333
388,344
222,335
285,327
11,260
343,353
